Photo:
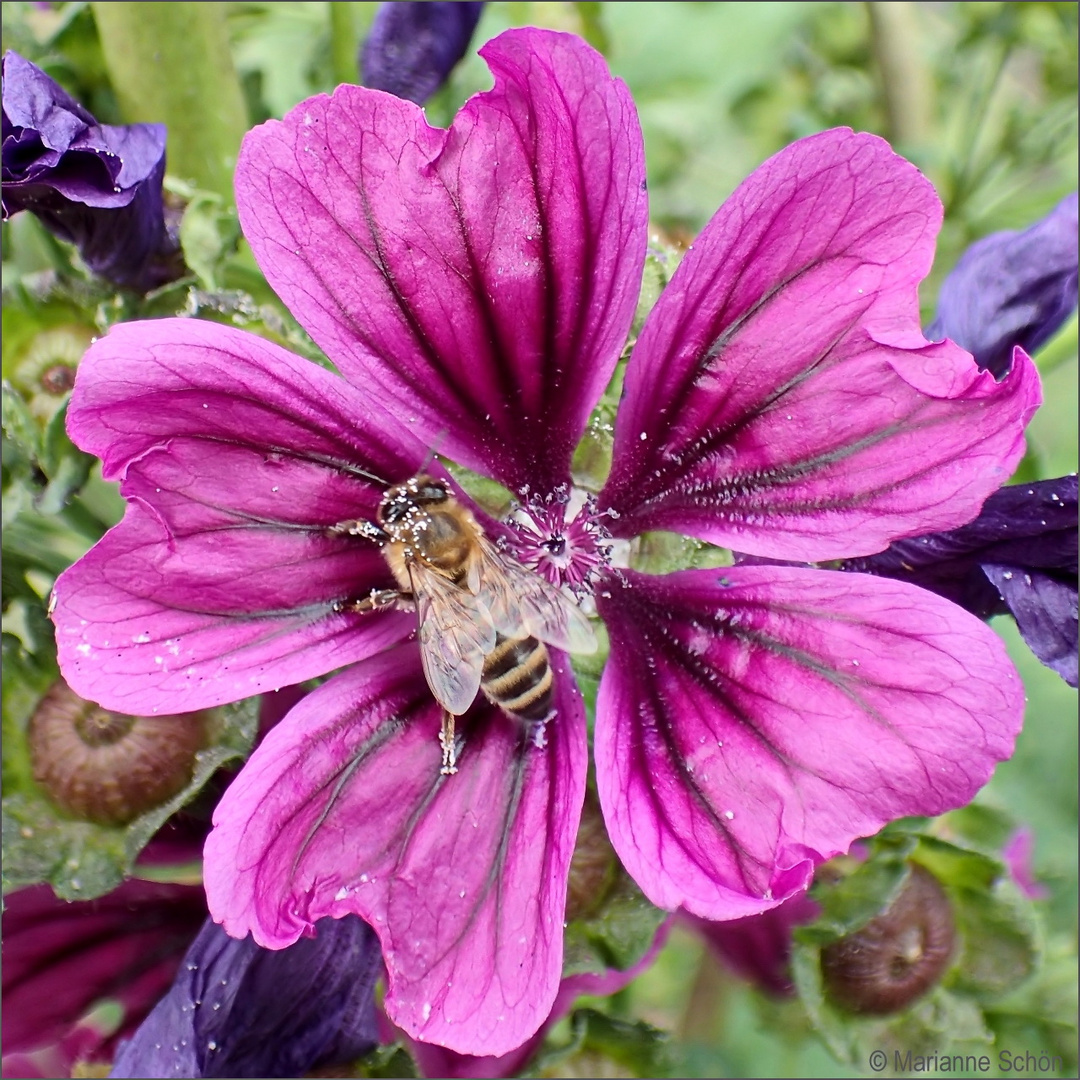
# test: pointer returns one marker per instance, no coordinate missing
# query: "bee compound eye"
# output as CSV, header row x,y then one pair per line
x,y
431,492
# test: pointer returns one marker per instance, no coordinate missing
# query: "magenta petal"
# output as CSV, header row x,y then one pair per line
x,y
437,1061
483,277
755,721
221,581
782,400
146,383
342,809
60,959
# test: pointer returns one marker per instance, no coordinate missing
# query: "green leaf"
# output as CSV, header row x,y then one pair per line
x,y
979,827
596,1040
20,427
999,940
849,904
834,1027
65,465
209,232
81,859
393,1060
617,935
1042,1013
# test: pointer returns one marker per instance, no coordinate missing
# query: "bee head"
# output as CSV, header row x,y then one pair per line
x,y
420,491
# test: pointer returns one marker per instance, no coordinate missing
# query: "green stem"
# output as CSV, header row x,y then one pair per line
x,y
702,1020
349,25
967,179
343,43
905,79
170,63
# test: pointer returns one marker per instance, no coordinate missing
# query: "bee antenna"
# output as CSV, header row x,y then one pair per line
x,y
358,470
433,450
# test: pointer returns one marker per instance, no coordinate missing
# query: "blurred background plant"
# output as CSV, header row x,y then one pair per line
x,y
982,96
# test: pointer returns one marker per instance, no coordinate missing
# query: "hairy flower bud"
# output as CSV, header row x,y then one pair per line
x,y
593,865
897,956
107,767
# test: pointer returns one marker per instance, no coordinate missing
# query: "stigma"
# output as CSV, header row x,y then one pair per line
x,y
562,537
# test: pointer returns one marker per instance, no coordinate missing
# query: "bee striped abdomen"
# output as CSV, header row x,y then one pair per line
x,y
517,677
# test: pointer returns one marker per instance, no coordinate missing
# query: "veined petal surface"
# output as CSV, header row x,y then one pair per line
x,y
61,959
222,580
482,279
342,809
782,400
754,721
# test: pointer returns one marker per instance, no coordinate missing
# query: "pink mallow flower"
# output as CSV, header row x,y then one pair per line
x,y
475,287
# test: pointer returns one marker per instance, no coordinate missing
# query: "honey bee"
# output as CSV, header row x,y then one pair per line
x,y
484,620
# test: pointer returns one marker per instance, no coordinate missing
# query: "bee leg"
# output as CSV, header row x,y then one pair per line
x,y
447,742
376,600
538,733
367,530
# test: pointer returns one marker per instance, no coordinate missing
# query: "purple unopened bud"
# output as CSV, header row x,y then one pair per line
x,y
413,47
1011,288
94,185
236,1009
1017,557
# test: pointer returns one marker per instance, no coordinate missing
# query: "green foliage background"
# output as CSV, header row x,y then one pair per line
x,y
982,96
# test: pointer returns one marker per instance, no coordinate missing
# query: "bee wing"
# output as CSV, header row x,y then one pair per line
x,y
517,599
455,636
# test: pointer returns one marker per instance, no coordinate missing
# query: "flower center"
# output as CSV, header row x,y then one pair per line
x,y
562,537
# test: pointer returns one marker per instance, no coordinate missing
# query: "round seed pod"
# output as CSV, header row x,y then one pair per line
x,y
46,371
897,956
107,767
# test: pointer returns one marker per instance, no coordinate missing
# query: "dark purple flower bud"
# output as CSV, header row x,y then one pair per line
x,y
1019,557
236,1009
413,47
1011,288
94,185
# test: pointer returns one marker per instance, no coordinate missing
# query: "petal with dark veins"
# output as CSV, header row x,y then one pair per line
x,y
753,722
480,280
223,579
343,809
782,400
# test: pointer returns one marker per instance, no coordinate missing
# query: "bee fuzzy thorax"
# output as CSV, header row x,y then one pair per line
x,y
484,620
